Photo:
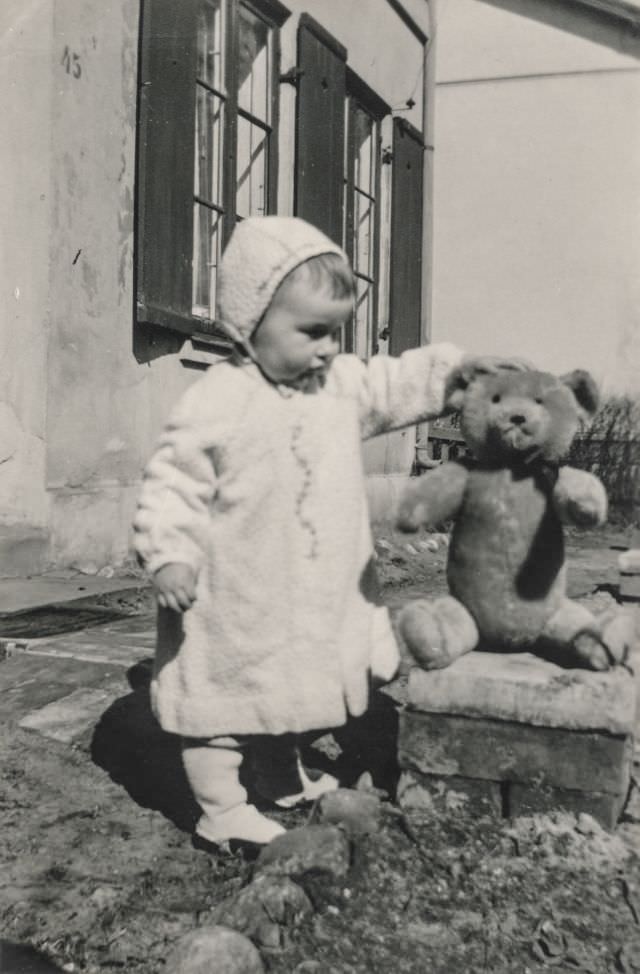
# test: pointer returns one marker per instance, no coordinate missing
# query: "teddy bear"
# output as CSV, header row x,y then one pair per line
x,y
509,502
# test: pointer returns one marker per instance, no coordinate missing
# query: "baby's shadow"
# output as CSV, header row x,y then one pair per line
x,y
366,744
129,744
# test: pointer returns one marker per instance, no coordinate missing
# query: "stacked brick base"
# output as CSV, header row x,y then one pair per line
x,y
517,735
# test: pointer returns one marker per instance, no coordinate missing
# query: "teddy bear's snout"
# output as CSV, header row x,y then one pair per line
x,y
518,413
518,423
518,419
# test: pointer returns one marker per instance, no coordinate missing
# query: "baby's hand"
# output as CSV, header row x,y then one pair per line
x,y
175,586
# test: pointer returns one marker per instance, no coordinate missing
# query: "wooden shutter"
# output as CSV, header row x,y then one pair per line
x,y
319,187
405,292
165,162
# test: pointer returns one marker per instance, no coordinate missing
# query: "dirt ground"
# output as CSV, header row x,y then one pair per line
x,y
100,875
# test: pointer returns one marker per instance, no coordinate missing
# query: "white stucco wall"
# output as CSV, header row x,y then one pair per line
x,y
25,58
537,192
104,408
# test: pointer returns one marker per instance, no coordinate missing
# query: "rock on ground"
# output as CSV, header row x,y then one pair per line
x,y
214,950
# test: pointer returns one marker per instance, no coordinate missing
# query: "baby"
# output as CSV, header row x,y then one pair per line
x,y
253,524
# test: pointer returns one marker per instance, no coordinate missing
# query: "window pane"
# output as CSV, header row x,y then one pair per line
x,y
361,175
362,319
210,50
363,234
253,64
208,154
207,227
363,140
251,194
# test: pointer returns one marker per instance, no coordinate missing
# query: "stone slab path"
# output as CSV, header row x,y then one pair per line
x,y
59,687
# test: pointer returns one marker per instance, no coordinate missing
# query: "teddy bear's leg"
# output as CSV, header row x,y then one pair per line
x,y
575,637
437,632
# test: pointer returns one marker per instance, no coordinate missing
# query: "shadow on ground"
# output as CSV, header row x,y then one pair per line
x,y
19,959
137,754
132,748
366,744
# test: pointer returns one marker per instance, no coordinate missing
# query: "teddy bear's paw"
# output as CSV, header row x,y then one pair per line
x,y
618,630
437,632
608,642
586,512
423,636
591,652
583,497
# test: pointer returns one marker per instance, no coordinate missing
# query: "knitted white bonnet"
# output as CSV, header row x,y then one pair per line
x,y
261,252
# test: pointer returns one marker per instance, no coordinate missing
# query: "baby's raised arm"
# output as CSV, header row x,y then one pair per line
x,y
420,384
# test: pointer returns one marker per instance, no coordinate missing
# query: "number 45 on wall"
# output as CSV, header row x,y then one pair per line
x,y
71,62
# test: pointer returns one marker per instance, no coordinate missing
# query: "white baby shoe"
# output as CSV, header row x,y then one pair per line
x,y
243,823
311,789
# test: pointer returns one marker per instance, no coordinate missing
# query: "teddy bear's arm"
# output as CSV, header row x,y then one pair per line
x,y
433,498
579,498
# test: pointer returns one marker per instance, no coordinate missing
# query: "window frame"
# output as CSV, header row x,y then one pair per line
x,y
175,310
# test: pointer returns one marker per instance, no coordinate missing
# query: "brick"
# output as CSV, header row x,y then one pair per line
x,y
528,800
421,791
495,750
521,687
416,790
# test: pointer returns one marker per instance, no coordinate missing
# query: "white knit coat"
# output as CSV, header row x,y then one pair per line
x,y
260,488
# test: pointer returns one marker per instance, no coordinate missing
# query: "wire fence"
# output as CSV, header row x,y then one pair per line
x,y
610,448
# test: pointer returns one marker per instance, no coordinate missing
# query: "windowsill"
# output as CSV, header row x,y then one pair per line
x,y
201,351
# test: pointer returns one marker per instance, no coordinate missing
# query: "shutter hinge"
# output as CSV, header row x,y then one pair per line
x,y
387,156
292,76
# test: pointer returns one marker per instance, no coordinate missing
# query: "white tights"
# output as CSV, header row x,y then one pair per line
x,y
213,771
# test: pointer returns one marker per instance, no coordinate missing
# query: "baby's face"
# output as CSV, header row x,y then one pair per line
x,y
299,334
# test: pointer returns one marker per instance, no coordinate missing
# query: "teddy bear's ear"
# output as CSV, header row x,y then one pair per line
x,y
475,367
584,388
455,391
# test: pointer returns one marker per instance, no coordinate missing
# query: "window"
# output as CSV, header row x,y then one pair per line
x,y
207,152
363,115
338,172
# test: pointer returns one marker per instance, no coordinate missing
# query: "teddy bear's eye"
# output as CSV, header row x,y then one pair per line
x,y
496,398
539,400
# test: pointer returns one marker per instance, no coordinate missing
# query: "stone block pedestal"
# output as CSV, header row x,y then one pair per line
x,y
515,734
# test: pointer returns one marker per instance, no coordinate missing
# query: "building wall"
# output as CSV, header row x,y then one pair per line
x,y
25,58
83,393
103,406
537,186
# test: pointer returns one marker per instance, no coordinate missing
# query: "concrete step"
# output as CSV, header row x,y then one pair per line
x,y
20,595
